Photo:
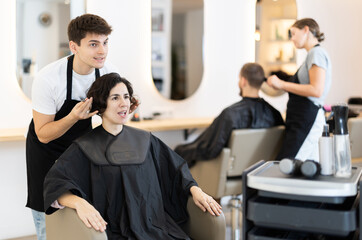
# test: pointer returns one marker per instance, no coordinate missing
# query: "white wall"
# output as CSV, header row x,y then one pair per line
x,y
229,42
15,218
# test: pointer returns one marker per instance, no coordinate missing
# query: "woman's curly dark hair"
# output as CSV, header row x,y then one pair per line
x,y
101,88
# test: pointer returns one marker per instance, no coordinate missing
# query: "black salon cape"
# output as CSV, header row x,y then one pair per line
x,y
248,113
138,184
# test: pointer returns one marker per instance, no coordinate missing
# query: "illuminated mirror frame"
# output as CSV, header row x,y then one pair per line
x,y
177,47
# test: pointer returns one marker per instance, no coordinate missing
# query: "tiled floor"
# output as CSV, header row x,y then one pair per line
x,y
226,209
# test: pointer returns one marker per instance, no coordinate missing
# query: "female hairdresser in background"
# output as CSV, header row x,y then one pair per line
x,y
307,90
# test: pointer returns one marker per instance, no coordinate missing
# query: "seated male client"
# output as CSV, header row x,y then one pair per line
x,y
251,112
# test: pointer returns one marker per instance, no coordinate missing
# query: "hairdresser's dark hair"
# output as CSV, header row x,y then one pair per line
x,y
101,88
87,23
313,27
253,73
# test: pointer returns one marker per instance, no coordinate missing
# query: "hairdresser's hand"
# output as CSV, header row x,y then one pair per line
x,y
135,102
82,110
90,216
205,202
275,82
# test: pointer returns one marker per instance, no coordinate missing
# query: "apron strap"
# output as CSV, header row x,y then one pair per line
x,y
70,76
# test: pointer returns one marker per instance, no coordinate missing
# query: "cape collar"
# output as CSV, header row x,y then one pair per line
x,y
130,146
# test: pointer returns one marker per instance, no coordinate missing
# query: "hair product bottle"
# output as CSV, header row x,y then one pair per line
x,y
326,158
341,145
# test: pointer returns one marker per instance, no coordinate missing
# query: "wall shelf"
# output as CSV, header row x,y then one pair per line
x,y
278,52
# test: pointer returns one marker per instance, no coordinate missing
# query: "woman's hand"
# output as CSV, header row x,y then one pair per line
x,y
275,82
205,202
135,102
86,212
90,216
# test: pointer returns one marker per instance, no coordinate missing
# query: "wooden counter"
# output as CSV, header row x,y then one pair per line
x,y
12,134
18,134
171,124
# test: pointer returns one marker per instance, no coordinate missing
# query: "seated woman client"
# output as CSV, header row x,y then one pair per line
x,y
123,177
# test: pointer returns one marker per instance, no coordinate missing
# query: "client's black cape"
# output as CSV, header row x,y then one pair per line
x,y
248,113
138,184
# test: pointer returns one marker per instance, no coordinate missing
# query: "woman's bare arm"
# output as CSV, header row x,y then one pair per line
x,y
86,212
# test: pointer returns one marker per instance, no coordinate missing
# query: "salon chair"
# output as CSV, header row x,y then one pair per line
x,y
355,136
221,176
65,224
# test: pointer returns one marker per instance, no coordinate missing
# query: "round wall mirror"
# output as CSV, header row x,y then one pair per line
x,y
177,47
41,35
273,48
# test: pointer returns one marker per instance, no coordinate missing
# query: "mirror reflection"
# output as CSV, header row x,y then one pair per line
x,y
177,47
273,48
41,35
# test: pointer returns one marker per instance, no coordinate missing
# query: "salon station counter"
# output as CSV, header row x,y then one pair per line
x,y
156,125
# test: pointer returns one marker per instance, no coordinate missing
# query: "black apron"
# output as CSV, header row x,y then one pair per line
x,y
40,157
301,114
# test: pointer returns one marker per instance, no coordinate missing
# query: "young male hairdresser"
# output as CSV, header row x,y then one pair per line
x,y
251,112
60,108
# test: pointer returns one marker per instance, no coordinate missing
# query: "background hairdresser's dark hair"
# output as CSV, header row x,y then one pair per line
x,y
313,27
101,88
253,73
87,23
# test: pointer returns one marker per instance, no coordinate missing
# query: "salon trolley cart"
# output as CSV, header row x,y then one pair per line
x,y
277,206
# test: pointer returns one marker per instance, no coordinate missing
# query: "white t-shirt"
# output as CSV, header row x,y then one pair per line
x,y
49,89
